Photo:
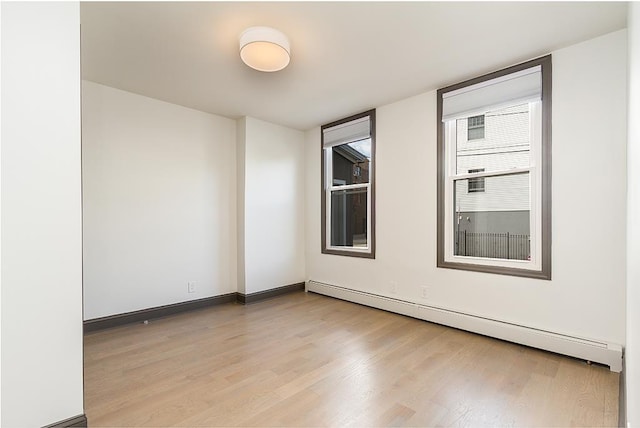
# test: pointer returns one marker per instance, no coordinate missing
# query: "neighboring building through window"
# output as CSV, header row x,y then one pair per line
x,y
494,189
348,208
475,127
475,184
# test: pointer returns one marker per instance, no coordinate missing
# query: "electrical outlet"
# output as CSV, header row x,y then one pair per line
x,y
426,290
394,287
191,287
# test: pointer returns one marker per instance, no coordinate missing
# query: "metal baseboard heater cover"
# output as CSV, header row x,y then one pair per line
x,y
609,354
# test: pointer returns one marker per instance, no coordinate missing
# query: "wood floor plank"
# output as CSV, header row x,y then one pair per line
x,y
309,360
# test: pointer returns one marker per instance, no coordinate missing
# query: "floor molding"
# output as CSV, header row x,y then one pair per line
x,y
157,312
76,421
609,354
176,308
268,294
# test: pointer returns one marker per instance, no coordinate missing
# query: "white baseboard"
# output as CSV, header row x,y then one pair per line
x,y
609,354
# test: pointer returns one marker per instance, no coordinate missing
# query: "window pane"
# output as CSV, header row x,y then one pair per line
x,y
476,121
476,133
475,126
496,141
475,184
349,218
493,223
351,162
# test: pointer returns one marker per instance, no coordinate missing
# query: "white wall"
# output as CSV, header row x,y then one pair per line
x,y
41,214
632,352
159,202
586,296
173,195
273,205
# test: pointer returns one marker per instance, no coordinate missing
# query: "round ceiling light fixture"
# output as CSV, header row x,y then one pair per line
x,y
264,49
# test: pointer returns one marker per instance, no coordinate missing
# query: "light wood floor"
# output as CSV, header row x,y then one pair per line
x,y
309,360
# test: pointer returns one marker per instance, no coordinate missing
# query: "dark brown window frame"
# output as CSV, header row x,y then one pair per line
x,y
372,189
545,238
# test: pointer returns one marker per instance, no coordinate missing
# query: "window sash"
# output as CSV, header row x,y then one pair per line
x,y
337,187
328,194
329,187
511,171
535,202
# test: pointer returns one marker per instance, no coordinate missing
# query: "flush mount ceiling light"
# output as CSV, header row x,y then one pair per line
x,y
264,49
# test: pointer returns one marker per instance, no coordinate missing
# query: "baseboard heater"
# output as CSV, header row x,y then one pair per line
x,y
600,352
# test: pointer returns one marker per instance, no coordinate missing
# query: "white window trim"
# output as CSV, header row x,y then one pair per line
x,y
535,181
329,188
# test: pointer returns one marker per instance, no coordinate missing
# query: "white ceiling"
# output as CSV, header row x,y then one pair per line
x,y
347,57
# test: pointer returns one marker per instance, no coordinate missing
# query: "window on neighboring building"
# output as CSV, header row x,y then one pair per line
x,y
475,184
475,127
348,203
494,190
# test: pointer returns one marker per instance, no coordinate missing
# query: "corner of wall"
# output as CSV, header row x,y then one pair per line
x,y
241,144
312,195
631,372
272,191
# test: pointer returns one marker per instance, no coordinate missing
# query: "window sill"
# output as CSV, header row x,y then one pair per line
x,y
498,270
350,253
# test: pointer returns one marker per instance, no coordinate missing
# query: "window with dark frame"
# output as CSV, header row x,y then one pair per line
x,y
348,199
475,184
494,198
475,127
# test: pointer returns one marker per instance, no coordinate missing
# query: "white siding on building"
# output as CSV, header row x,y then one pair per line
x,y
505,146
502,193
